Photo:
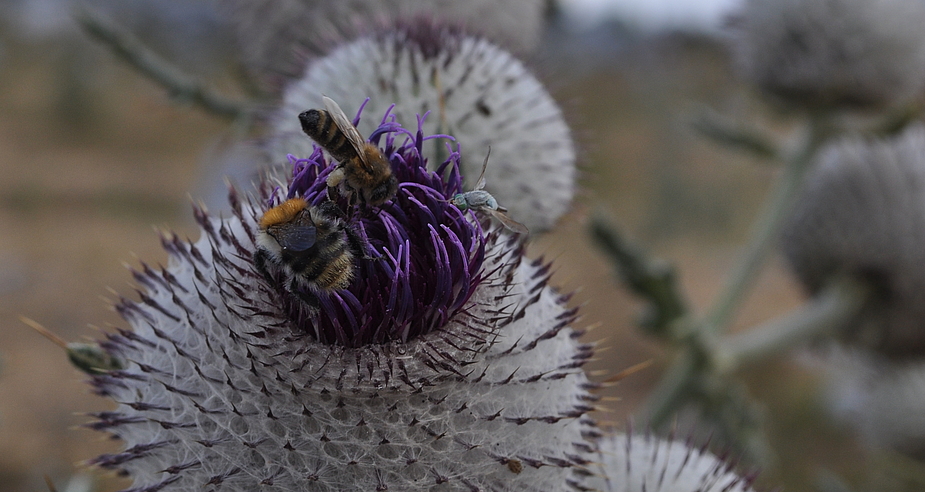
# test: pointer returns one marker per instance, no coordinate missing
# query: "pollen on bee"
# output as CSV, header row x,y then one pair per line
x,y
284,212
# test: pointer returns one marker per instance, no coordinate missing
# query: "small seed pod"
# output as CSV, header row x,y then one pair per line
x,y
276,36
862,213
445,363
832,54
645,463
472,89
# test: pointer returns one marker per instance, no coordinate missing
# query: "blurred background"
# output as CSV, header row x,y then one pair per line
x,y
94,157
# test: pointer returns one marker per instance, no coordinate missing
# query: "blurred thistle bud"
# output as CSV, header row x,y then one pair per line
x,y
447,363
883,400
645,463
275,37
475,91
862,214
832,54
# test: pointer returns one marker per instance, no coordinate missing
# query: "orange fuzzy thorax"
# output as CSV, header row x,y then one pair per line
x,y
284,212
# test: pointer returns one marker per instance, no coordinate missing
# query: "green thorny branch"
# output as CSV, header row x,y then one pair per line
x,y
701,371
181,86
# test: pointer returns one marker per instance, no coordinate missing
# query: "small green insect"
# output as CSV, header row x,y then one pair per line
x,y
482,201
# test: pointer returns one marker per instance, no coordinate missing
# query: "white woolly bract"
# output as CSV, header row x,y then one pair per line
x,y
645,463
884,401
834,52
274,35
862,213
221,394
475,91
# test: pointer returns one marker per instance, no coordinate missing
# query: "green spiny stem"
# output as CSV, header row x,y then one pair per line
x,y
674,389
767,227
733,134
652,279
837,303
180,85
698,358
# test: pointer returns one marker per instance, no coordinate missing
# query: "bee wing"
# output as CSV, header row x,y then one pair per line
x,y
508,222
481,182
299,238
346,127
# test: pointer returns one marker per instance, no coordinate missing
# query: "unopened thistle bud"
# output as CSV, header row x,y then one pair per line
x,y
834,53
645,463
862,213
473,90
447,363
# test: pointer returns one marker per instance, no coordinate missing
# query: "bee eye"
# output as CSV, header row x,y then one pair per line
x,y
297,238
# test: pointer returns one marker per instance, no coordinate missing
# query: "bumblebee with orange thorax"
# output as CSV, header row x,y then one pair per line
x,y
312,249
362,170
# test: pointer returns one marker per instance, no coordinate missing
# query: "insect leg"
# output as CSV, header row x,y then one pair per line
x,y
261,258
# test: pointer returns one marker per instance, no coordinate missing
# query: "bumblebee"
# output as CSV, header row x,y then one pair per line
x,y
311,248
481,200
362,171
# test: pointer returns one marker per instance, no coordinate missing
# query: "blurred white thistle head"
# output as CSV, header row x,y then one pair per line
x,y
475,91
862,213
883,400
833,53
276,37
645,463
447,364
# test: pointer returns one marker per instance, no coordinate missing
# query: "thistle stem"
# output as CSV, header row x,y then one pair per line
x,y
653,280
673,389
767,227
838,302
734,134
181,86
700,356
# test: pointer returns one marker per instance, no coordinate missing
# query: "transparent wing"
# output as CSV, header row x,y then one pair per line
x,y
481,182
345,126
508,222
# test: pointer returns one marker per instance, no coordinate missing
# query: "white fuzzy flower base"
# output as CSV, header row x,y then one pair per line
x,y
645,463
219,395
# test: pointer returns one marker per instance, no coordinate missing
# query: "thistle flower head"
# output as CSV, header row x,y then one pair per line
x,y
881,399
447,364
862,213
474,90
837,53
425,255
274,36
645,463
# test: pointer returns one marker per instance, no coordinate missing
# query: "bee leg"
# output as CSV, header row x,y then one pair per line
x,y
260,263
332,193
309,298
331,209
351,201
358,245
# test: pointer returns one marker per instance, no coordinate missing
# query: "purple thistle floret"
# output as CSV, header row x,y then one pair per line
x,y
424,255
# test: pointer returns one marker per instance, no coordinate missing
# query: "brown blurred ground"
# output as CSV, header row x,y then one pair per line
x,y
86,171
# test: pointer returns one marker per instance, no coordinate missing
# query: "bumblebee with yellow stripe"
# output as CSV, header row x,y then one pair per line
x,y
310,250
362,171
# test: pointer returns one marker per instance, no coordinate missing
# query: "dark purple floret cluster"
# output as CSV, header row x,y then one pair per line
x,y
423,255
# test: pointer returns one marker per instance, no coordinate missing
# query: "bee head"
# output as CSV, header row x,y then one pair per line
x,y
288,227
283,213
